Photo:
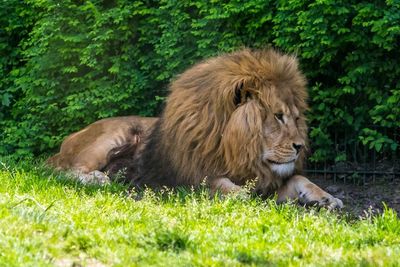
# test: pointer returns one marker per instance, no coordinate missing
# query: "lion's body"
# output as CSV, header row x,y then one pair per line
x,y
229,120
91,148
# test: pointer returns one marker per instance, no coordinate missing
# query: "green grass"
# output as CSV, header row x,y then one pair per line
x,y
47,220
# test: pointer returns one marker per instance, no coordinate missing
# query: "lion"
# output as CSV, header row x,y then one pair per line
x,y
87,152
228,120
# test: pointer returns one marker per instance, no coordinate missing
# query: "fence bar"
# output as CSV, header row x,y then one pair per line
x,y
352,172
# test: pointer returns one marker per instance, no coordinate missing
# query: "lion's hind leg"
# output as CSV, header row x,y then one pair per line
x,y
87,154
82,173
95,164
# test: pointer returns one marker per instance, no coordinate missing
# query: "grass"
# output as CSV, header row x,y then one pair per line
x,y
48,220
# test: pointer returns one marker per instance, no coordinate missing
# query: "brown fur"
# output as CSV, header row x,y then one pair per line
x,y
202,133
230,119
92,148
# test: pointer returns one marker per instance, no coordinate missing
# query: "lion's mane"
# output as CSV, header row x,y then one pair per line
x,y
214,119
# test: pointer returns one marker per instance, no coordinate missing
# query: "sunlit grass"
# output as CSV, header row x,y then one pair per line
x,y
48,220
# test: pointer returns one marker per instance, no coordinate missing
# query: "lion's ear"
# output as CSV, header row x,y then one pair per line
x,y
241,94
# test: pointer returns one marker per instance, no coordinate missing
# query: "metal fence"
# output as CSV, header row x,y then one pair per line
x,y
362,165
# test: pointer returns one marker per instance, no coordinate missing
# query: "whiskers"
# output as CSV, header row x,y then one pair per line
x,y
277,156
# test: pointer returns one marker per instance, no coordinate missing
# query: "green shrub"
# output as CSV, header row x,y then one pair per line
x,y
71,62
16,21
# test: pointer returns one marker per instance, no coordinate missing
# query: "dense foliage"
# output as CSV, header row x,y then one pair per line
x,y
67,63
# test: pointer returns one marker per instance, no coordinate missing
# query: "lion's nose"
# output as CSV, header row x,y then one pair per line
x,y
297,147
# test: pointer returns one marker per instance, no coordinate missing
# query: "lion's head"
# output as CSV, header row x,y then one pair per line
x,y
239,115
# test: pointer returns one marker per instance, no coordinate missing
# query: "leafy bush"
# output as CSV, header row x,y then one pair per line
x,y
71,62
15,25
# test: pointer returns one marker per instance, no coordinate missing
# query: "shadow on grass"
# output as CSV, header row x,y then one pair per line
x,y
38,173
46,177
35,172
249,258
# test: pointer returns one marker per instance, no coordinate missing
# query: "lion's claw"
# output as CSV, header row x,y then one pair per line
x,y
327,201
335,204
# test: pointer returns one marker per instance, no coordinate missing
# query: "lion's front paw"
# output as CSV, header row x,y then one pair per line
x,y
320,198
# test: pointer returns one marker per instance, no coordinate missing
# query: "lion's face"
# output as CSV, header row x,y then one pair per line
x,y
284,134
266,126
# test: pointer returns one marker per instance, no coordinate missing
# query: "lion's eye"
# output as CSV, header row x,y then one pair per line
x,y
279,116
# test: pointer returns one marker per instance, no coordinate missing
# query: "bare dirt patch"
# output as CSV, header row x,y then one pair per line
x,y
370,197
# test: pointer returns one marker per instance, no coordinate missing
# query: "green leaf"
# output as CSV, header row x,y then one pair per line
x,y
5,99
378,146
